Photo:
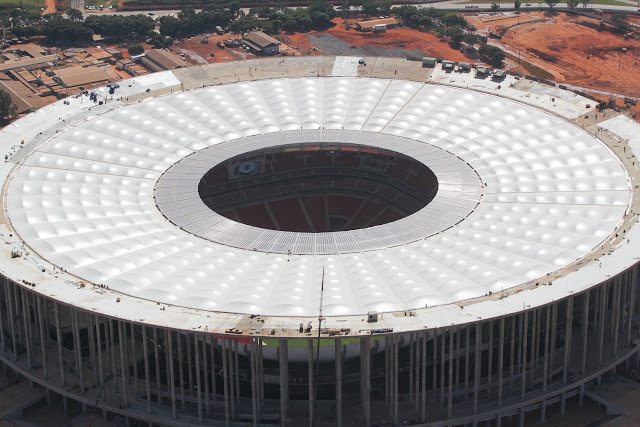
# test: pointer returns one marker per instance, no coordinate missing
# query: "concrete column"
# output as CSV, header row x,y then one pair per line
x,y
2,343
196,350
190,364
12,319
43,340
545,362
601,318
236,368
500,359
59,338
367,381
261,376
443,338
99,351
396,371
212,342
205,375
567,346
25,325
435,360
585,330
123,369
416,380
490,363
458,361
423,395
525,326
134,357
225,376
451,357
156,359
172,377
146,366
467,363
616,316
552,341
77,346
254,388
167,355
411,367
534,342
310,374
476,366
283,399
181,368
232,383
512,327
338,362
387,356
112,349
632,297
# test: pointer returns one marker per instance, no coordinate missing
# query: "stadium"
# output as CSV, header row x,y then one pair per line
x,y
317,241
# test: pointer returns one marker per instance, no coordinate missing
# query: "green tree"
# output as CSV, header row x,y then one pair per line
x,y
456,35
585,3
234,7
516,5
551,3
495,6
492,54
7,107
619,17
572,4
74,14
135,49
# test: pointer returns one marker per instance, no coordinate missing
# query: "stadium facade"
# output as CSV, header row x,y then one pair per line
x,y
163,248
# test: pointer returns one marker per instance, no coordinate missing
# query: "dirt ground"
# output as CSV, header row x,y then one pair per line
x,y
403,38
568,48
198,53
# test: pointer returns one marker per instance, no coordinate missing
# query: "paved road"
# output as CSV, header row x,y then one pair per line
x,y
448,5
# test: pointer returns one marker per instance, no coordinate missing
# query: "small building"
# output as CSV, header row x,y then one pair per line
x,y
261,43
72,77
376,23
160,60
22,96
464,67
429,62
448,66
482,71
498,74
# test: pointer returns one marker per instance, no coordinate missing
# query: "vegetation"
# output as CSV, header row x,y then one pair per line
x,y
551,3
492,54
188,22
572,4
516,5
7,107
495,6
536,71
135,49
618,17
413,17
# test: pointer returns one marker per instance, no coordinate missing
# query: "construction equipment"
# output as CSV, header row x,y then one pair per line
x,y
107,377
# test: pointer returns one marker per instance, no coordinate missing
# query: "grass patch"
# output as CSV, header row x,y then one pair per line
x,y
536,71
29,5
324,342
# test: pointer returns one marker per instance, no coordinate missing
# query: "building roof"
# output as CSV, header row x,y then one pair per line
x,y
78,76
24,98
260,40
166,59
553,193
27,62
370,24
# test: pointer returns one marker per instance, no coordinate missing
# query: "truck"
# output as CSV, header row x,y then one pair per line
x,y
219,30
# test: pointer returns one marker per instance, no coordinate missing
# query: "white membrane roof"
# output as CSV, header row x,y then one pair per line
x,y
459,192
84,200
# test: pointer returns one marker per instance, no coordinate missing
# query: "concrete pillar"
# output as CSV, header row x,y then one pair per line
x,y
451,357
254,388
552,340
601,318
77,346
172,377
523,380
205,374
443,338
616,316
338,363
283,388
545,362
423,395
311,382
2,343
236,367
212,342
396,370
145,350
196,350
466,362
387,356
59,338
156,359
43,340
534,342
25,325
12,319
367,381
632,297
435,360
512,327
123,369
225,376
181,368
416,380
134,357
411,367
189,364
490,362
476,366
500,359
